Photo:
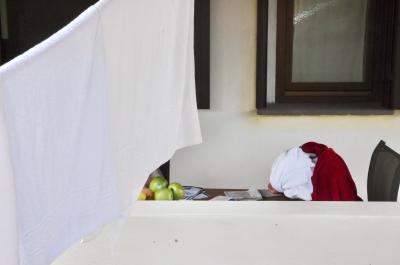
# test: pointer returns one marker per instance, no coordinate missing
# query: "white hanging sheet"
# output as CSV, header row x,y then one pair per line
x,y
150,60
8,224
102,103
55,100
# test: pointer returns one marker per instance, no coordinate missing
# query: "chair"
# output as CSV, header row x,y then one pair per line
x,y
383,174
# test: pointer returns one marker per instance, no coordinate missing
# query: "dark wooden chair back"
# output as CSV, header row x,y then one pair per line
x,y
383,174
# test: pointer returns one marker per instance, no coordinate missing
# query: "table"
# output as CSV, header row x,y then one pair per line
x,y
214,192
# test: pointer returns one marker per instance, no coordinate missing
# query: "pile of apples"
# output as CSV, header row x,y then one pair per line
x,y
159,190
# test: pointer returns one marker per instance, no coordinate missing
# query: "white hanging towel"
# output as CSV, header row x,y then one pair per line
x,y
126,62
150,60
55,99
291,174
8,223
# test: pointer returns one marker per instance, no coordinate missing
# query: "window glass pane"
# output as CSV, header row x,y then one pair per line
x,y
328,41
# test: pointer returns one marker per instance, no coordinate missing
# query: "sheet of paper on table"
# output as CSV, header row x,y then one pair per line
x,y
249,195
194,193
220,198
201,196
268,194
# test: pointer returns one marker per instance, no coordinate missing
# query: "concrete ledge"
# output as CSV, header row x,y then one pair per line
x,y
265,208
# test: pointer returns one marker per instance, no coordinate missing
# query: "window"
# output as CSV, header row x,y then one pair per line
x,y
329,52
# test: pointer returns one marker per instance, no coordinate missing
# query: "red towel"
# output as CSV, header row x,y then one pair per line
x,y
331,180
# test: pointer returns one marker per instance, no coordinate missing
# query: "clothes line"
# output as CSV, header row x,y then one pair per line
x,y
87,115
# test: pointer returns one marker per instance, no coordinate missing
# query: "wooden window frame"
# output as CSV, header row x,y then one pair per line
x,y
202,52
385,58
288,91
395,92
262,54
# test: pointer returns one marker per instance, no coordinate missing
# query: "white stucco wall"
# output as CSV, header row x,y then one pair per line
x,y
240,146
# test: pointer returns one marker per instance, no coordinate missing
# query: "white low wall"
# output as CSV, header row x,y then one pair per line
x,y
237,233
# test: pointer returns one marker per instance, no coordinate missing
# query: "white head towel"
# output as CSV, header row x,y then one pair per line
x,y
291,174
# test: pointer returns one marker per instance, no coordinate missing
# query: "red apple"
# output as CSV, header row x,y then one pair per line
x,y
149,194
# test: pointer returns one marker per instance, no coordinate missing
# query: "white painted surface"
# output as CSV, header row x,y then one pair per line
x,y
238,233
240,146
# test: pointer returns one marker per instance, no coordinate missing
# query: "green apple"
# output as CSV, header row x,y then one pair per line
x,y
164,195
179,192
158,183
